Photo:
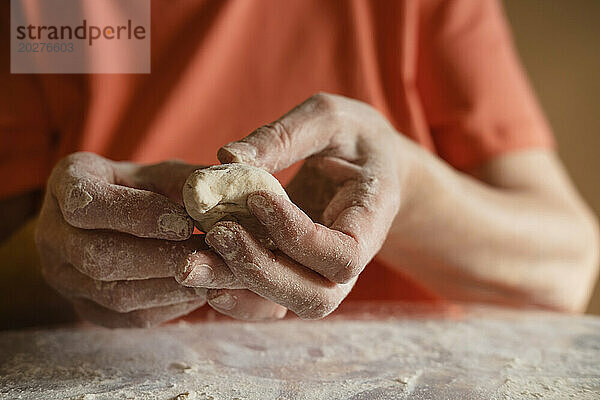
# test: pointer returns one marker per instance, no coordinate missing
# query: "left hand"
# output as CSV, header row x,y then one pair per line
x,y
113,235
350,183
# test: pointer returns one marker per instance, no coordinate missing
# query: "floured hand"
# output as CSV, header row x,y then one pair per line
x,y
112,236
349,185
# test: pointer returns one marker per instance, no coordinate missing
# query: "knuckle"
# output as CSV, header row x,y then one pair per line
x,y
68,165
64,163
75,180
323,102
76,197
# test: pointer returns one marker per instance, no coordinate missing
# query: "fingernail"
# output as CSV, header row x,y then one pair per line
x,y
224,301
178,225
220,236
197,275
260,206
241,152
257,203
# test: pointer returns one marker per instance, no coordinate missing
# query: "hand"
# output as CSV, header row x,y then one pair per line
x,y
349,184
112,235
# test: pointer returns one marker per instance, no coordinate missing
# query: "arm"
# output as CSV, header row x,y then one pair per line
x,y
511,230
506,237
514,232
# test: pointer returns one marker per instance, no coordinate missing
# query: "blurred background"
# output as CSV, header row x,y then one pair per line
x,y
559,45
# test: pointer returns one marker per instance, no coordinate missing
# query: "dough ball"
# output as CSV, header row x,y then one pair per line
x,y
220,192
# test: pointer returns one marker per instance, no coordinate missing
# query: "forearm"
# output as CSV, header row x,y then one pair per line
x,y
518,241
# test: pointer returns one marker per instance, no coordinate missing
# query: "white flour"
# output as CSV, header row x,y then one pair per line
x,y
484,354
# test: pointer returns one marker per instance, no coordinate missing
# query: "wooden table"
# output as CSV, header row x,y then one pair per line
x,y
365,352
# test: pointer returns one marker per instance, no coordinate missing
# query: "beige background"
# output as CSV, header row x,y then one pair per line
x,y
559,44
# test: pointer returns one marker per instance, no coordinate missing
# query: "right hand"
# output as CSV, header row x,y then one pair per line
x,y
112,236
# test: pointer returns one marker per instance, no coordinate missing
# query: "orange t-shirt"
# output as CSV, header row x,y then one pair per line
x,y
443,72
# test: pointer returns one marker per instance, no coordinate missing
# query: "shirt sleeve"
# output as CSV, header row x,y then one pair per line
x,y
476,97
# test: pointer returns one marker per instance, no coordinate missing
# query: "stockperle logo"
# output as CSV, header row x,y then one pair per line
x,y
80,36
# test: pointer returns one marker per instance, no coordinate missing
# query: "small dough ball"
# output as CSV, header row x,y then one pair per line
x,y
220,192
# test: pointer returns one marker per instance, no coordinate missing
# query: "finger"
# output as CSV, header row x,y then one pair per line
x,y
336,254
244,305
89,197
206,270
146,318
166,178
275,276
120,296
305,130
112,256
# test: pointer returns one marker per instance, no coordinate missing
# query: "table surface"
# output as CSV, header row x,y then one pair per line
x,y
367,352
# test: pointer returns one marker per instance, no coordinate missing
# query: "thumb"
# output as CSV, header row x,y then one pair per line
x,y
166,178
304,131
